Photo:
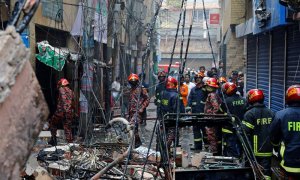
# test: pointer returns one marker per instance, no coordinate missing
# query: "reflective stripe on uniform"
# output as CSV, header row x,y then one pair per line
x,y
259,154
263,154
248,124
198,139
288,169
255,143
226,131
181,98
158,101
194,103
267,177
202,102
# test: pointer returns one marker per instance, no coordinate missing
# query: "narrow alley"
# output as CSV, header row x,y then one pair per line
x,y
150,89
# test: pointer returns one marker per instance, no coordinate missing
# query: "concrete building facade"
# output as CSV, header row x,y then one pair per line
x,y
231,48
199,53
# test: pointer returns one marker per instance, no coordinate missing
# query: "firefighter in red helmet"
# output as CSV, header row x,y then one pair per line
x,y
257,121
64,113
212,106
236,106
138,101
169,105
285,131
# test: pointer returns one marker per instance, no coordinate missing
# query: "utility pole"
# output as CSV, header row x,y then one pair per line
x,y
88,66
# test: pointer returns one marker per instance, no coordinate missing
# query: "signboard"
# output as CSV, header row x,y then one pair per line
x,y
214,18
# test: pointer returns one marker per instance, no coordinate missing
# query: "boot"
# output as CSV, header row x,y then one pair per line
x,y
53,141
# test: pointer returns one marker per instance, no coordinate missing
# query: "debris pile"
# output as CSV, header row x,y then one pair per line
x,y
105,160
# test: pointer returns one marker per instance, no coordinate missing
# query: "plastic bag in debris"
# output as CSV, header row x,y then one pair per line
x,y
52,56
143,152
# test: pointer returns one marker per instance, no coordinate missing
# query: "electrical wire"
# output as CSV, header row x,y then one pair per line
x,y
175,40
246,144
145,56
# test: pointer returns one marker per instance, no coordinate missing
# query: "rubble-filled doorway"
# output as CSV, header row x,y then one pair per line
x,y
47,76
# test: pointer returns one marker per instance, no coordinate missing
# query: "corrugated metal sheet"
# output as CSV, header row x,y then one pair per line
x,y
263,65
251,63
277,70
293,56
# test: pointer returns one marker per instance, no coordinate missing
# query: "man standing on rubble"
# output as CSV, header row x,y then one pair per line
x,y
236,106
212,106
160,87
286,128
138,102
64,112
169,99
196,101
257,121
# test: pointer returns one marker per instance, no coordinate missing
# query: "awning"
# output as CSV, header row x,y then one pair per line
x,y
244,28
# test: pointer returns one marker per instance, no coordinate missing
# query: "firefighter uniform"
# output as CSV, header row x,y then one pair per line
x,y
169,99
64,112
138,102
196,101
158,89
213,106
257,121
236,106
286,128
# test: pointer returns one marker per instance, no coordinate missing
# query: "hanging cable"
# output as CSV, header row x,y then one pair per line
x,y
175,40
240,131
144,57
178,79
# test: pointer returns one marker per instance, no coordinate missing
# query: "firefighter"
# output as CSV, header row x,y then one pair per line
x,y
138,102
257,121
169,105
212,106
196,101
161,86
286,128
184,90
236,106
64,113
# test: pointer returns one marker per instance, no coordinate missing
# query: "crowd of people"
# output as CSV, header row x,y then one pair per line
x,y
207,92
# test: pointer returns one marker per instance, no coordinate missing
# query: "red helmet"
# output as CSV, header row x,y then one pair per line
x,y
255,95
229,88
212,82
222,80
161,74
62,82
171,83
133,77
293,94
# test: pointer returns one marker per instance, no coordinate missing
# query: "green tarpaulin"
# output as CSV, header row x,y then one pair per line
x,y
53,57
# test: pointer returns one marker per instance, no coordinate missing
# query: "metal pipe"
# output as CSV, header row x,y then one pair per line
x,y
124,155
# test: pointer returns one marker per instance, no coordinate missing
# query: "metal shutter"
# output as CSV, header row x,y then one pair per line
x,y
293,56
277,70
263,65
251,63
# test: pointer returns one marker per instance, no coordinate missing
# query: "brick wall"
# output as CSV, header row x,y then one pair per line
x,y
235,54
